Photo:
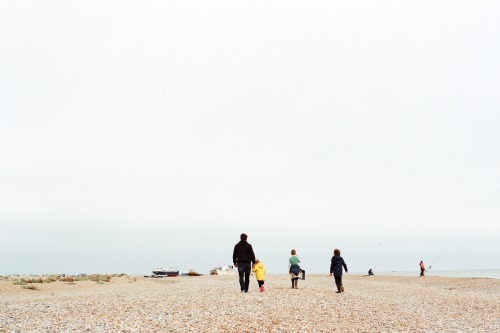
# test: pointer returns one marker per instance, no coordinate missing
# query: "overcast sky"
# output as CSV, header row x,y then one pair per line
x,y
137,134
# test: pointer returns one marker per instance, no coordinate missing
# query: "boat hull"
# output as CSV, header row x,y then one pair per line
x,y
165,273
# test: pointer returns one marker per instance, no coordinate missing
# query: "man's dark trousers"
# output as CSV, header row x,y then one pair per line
x,y
244,270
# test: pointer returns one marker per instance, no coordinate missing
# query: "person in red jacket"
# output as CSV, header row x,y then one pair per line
x,y
422,268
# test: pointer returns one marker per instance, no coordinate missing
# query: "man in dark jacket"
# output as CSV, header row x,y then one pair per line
x,y
243,258
336,268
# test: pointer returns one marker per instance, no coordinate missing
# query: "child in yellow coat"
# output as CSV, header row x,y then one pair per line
x,y
260,273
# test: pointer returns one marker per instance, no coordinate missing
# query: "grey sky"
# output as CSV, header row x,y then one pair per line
x,y
138,134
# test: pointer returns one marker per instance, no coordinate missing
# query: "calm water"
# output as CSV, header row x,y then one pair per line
x,y
470,273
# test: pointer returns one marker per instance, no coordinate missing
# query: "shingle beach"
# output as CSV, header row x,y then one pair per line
x,y
215,304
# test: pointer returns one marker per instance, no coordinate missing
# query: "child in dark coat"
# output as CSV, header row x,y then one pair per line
x,y
336,269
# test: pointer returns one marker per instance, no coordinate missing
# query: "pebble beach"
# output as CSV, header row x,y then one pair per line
x,y
215,304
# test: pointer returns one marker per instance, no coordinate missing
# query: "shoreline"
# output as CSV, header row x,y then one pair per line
x,y
469,273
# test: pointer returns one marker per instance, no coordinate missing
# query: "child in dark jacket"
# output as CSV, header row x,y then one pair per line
x,y
336,269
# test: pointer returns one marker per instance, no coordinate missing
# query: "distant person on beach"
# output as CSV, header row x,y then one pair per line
x,y
294,269
370,272
336,269
243,258
422,268
260,273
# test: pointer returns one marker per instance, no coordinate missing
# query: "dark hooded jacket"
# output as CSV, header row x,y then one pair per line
x,y
336,265
243,253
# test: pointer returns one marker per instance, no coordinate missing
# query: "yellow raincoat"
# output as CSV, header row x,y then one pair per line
x,y
260,271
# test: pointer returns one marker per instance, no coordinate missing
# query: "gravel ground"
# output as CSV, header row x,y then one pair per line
x,y
215,304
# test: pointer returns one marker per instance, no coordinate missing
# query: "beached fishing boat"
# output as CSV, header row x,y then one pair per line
x,y
224,270
160,271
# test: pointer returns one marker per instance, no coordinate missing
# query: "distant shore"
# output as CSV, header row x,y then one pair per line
x,y
464,273
461,273
214,304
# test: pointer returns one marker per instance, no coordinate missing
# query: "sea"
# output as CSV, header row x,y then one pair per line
x,y
467,273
